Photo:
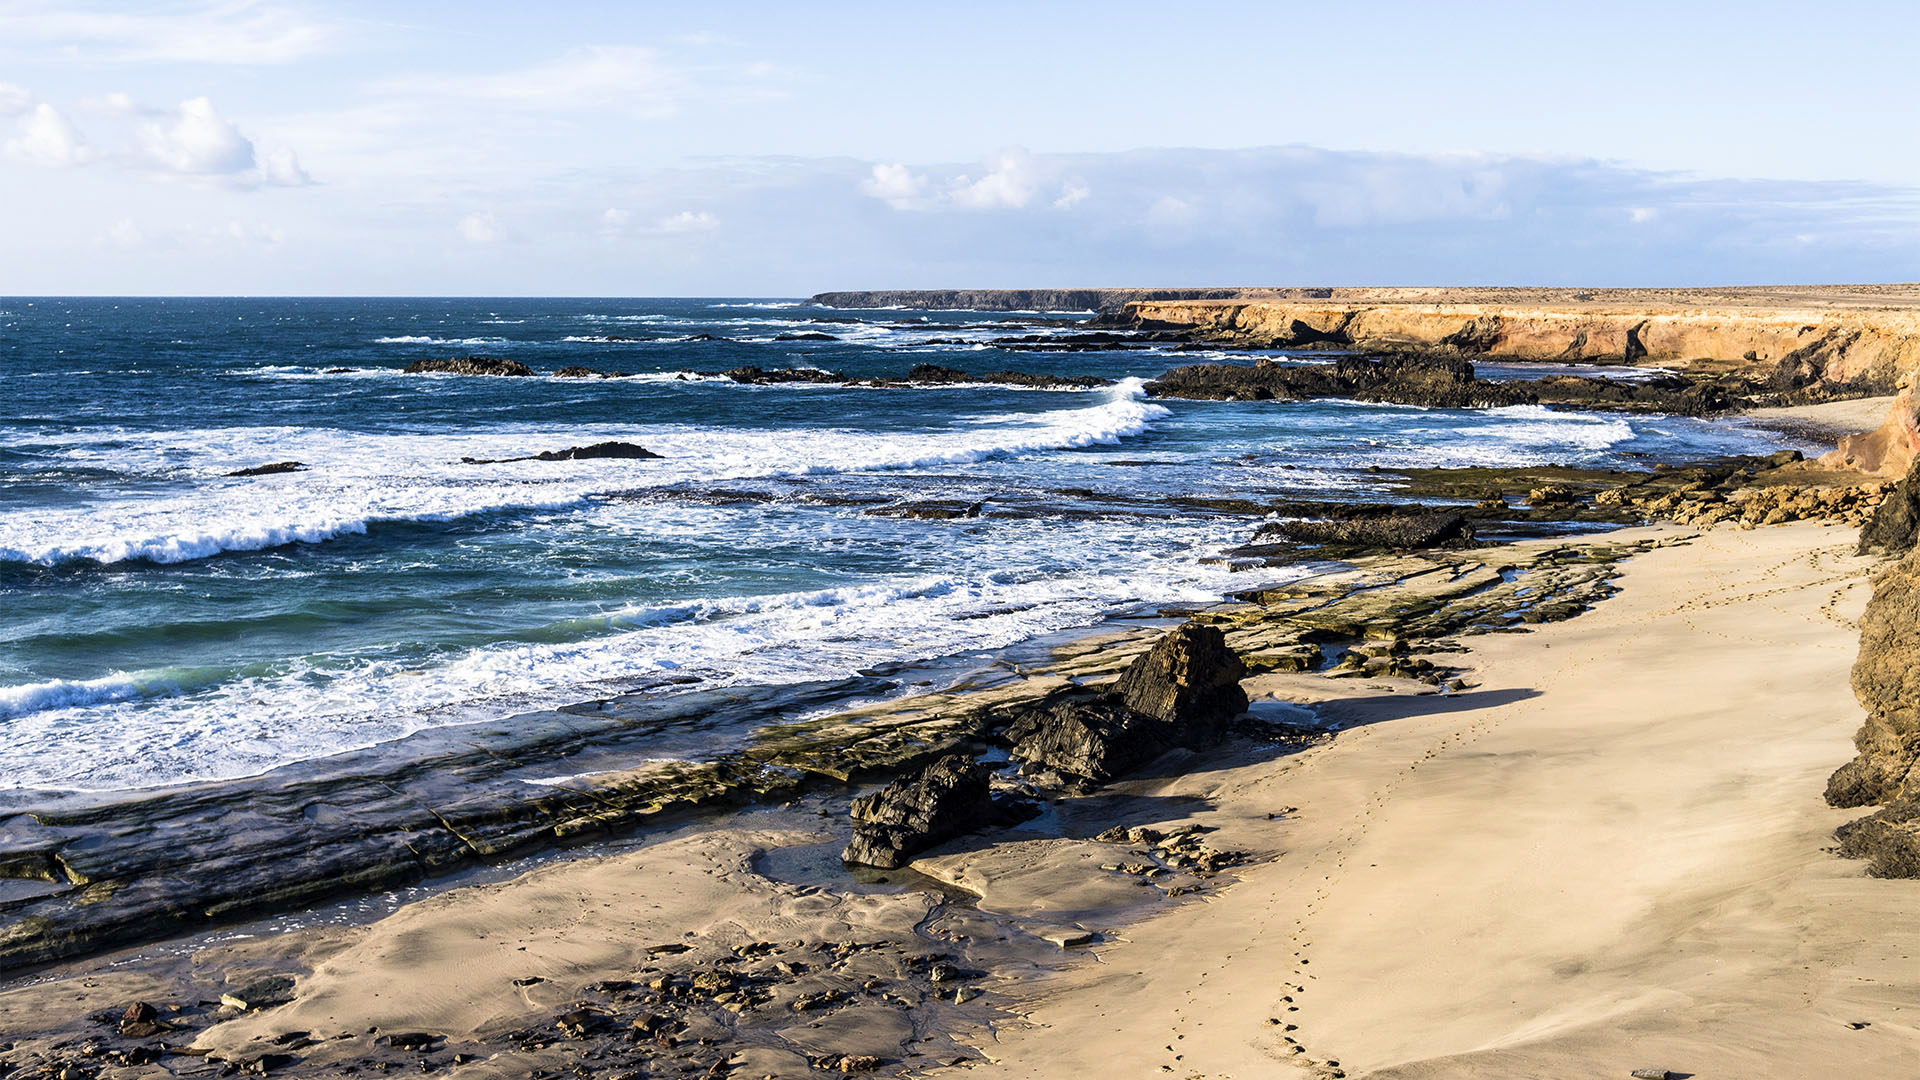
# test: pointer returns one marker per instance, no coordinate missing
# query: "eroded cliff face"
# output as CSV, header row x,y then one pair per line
x,y
1886,679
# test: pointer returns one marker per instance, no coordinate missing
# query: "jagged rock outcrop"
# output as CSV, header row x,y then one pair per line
x,y
1181,693
949,798
755,376
1886,679
468,365
1896,522
936,375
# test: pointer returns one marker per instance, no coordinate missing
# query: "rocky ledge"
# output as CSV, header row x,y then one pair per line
x,y
1886,679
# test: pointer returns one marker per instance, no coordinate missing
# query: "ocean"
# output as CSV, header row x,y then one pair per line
x,y
163,622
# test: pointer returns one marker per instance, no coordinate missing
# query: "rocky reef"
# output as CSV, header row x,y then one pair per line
x,y
1886,679
468,365
1016,299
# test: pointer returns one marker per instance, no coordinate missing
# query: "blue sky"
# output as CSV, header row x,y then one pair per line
x,y
778,149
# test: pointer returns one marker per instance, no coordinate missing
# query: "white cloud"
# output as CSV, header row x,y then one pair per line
x,y
225,32
1071,195
1640,215
688,221
195,140
481,228
281,168
48,138
1009,184
898,185
1172,210
251,233
14,100
614,221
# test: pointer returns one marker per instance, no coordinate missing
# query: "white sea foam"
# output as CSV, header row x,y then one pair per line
x,y
245,726
421,339
358,480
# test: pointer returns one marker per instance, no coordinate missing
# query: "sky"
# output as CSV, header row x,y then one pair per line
x,y
774,149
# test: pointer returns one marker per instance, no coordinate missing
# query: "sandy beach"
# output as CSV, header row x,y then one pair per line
x,y
1611,854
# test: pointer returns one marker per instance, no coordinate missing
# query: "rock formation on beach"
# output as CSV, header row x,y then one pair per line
x,y
1886,679
468,365
1181,693
949,798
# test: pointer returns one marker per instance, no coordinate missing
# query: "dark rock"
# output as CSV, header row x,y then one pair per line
x,y
1190,679
1886,680
421,1041
1180,693
598,450
1651,1074
936,375
1439,381
807,335
269,470
1404,531
948,798
577,372
931,510
139,1011
573,453
468,365
1097,740
754,376
263,993
1897,521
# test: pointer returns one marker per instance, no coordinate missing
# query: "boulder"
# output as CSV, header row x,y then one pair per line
x,y
948,798
468,365
1181,693
1190,679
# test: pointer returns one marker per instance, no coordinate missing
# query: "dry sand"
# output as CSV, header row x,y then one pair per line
x,y
1609,855
1828,419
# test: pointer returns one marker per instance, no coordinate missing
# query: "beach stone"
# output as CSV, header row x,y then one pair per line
x,y
262,993
948,798
468,365
1650,1074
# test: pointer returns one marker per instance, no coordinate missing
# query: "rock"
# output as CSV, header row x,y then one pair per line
x,y
931,510
259,994
577,372
597,450
1097,740
805,335
1550,495
948,798
1189,679
1438,381
1886,680
1897,520
1651,1074
421,1041
269,470
1399,532
1180,693
1068,937
936,375
468,365
754,376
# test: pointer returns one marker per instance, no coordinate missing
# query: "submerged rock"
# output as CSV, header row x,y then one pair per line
x,y
754,376
949,798
936,375
1181,693
931,510
269,470
468,365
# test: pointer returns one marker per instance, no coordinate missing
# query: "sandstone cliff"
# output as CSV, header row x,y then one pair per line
x,y
1028,299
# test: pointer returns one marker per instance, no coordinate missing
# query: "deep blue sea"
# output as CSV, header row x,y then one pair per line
x,y
163,622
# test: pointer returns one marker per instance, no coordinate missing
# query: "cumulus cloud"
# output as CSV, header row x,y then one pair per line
x,y
281,168
48,138
1071,195
895,184
1009,183
688,221
479,229
196,140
